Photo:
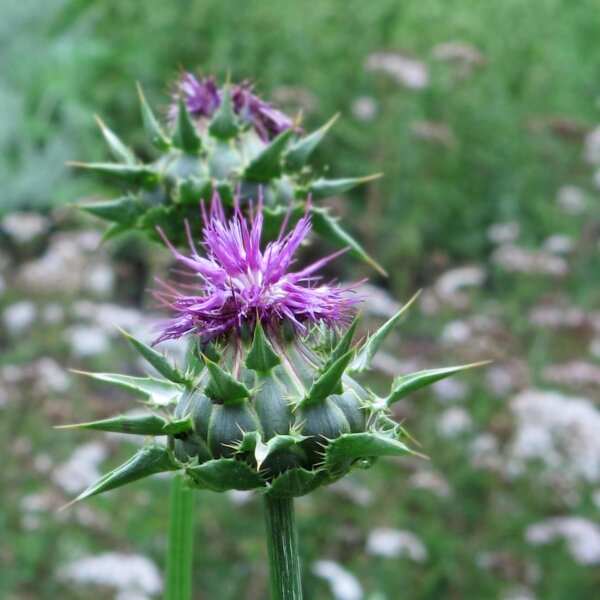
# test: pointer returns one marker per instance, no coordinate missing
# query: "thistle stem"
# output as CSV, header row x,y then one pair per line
x,y
180,544
282,543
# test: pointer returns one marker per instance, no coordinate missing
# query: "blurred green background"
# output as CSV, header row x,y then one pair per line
x,y
484,118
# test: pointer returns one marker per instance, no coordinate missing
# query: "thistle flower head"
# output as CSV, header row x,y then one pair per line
x,y
239,284
203,98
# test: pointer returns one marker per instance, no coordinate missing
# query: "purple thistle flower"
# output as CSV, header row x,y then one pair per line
x,y
203,97
238,284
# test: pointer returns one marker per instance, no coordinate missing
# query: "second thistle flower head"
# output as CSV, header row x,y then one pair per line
x,y
238,283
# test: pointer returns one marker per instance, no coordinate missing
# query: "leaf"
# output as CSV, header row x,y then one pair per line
x,y
157,360
225,124
117,148
329,382
366,353
151,125
407,384
157,391
128,174
261,357
222,474
267,164
351,446
186,134
122,210
325,225
148,461
223,386
325,188
296,157
137,425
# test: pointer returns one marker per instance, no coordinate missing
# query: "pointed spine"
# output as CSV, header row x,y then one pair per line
x,y
324,188
261,357
225,124
186,136
141,425
267,164
374,342
117,148
153,130
222,386
329,382
298,154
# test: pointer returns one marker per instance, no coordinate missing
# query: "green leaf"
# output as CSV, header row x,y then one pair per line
x,y
261,357
325,225
153,130
127,174
325,188
157,391
267,164
296,157
329,382
157,360
186,134
296,482
223,386
148,461
117,148
407,384
222,474
122,210
351,446
225,124
149,424
371,346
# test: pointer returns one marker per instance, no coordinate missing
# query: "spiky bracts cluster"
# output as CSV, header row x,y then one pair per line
x,y
239,284
280,415
265,406
218,139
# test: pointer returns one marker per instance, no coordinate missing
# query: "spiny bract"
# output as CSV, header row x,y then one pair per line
x,y
269,400
226,140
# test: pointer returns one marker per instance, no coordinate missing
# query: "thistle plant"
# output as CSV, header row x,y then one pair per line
x,y
218,139
271,398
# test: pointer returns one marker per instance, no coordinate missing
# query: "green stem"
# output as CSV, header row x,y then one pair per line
x,y
282,542
180,545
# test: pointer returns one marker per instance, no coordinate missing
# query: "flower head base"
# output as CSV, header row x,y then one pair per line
x,y
239,284
203,98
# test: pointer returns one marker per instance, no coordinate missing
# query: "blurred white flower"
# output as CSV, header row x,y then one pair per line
x,y
453,422
450,286
502,233
557,430
23,227
515,259
407,71
18,317
571,200
457,51
81,470
394,543
87,340
456,332
558,244
364,108
133,576
582,537
432,481
344,585
592,146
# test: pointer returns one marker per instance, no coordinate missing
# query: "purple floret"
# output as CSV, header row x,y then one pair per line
x,y
203,98
236,283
